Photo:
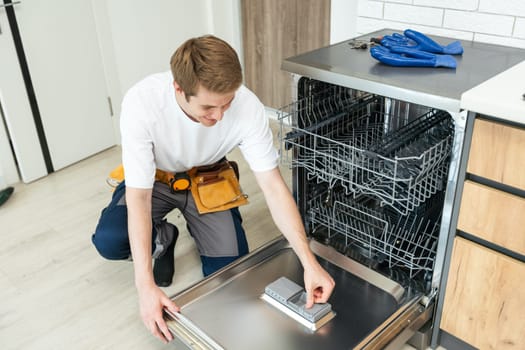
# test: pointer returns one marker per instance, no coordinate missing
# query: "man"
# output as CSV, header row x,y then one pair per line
x,y
176,121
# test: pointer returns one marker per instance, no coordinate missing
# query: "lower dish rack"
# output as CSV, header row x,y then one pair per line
x,y
380,236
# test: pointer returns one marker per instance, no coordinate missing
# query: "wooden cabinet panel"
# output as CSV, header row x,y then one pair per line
x,y
497,153
484,302
493,215
274,30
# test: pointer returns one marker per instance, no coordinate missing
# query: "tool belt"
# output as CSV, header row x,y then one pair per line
x,y
214,187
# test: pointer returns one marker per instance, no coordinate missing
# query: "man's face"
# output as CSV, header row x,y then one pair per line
x,y
205,107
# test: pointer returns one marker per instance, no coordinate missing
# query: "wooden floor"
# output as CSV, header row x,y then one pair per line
x,y
56,292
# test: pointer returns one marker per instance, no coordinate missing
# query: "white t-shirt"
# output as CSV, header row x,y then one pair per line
x,y
156,133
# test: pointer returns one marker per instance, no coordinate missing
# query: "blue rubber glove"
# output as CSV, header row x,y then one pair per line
x,y
401,56
419,41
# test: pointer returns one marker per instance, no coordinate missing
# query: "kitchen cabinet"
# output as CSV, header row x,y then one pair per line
x,y
57,112
496,153
484,298
18,133
493,216
485,288
276,29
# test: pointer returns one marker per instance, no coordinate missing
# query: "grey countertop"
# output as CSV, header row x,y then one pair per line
x,y
440,88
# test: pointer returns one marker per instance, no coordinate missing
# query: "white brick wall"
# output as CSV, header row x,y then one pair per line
x,y
373,9
491,21
413,14
402,1
479,22
468,5
503,7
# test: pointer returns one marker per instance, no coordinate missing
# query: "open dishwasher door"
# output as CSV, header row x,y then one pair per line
x,y
225,311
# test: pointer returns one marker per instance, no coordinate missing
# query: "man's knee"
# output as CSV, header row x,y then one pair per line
x,y
111,235
109,248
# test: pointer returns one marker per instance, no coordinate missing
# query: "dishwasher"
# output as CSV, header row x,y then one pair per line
x,y
375,153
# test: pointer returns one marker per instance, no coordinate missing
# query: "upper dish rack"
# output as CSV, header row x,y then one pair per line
x,y
370,145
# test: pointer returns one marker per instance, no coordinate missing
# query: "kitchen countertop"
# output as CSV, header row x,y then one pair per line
x,y
440,88
501,97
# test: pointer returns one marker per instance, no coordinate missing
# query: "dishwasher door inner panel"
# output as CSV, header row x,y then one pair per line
x,y
230,308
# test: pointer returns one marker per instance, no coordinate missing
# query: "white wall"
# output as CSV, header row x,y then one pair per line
x,y
144,35
491,21
226,23
138,39
343,14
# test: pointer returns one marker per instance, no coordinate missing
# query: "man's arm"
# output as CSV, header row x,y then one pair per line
x,y
152,299
318,283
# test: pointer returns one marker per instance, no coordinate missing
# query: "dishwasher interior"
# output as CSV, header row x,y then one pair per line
x,y
370,174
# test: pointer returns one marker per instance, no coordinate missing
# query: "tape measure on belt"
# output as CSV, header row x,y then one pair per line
x,y
176,181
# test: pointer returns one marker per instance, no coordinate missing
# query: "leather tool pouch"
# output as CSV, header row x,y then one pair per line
x,y
216,187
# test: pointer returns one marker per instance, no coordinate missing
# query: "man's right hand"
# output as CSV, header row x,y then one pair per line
x,y
152,302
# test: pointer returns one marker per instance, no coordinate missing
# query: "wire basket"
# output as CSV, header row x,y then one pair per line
x,y
368,144
407,241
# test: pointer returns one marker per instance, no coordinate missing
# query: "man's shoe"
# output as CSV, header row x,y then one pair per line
x,y
164,265
5,194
